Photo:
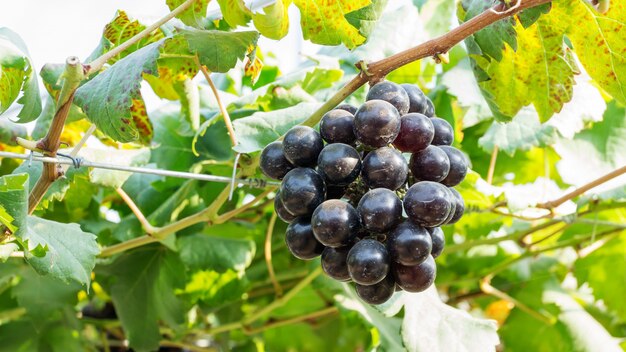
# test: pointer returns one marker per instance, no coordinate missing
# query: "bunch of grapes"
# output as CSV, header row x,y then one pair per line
x,y
344,200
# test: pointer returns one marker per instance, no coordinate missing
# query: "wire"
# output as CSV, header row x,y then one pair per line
x,y
251,182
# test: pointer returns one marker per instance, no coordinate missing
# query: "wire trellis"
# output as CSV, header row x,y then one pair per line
x,y
79,162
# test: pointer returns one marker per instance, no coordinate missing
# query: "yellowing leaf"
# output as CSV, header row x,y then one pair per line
x,y
253,67
140,121
324,22
235,12
194,15
273,21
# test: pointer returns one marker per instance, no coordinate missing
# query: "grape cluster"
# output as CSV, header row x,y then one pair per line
x,y
373,216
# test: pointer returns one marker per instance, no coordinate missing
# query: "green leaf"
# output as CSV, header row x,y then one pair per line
x,y
193,16
17,74
123,157
539,336
218,50
143,294
43,296
273,20
214,289
325,22
261,128
206,252
6,220
10,130
14,201
112,100
491,40
235,12
320,78
70,253
365,19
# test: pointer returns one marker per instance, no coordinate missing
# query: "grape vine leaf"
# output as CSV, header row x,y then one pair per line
x,y
200,251
261,128
218,50
126,157
491,40
14,201
10,130
365,19
273,20
143,293
325,22
235,12
17,74
431,325
68,257
193,16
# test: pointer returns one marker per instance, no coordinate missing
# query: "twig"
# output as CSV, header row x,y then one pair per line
x,y
492,164
268,255
235,212
315,315
135,209
185,346
227,121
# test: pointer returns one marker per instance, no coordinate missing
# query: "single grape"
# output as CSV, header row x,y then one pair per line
x,y
392,93
460,206
415,278
300,240
444,134
438,239
427,203
384,168
335,223
347,107
273,162
335,263
282,213
380,210
430,164
430,108
368,262
302,190
335,192
337,126
458,166
417,99
339,164
302,145
409,244
376,123
416,133
378,293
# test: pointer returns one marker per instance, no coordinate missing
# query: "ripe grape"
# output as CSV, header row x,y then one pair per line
x,y
460,206
415,278
438,239
368,262
416,133
302,190
335,223
409,244
430,108
376,123
427,203
339,164
444,134
273,162
302,145
384,168
430,164
282,213
378,293
392,93
417,99
335,263
458,166
337,126
347,107
300,240
452,205
380,210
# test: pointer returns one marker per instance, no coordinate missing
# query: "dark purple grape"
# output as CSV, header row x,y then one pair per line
x,y
417,99
335,263
384,168
376,123
335,192
392,93
300,240
438,239
458,166
430,164
273,162
430,108
380,210
409,244
335,223
347,107
368,262
302,145
282,213
444,134
415,278
302,190
427,203
337,126
339,164
416,133
460,206
378,293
